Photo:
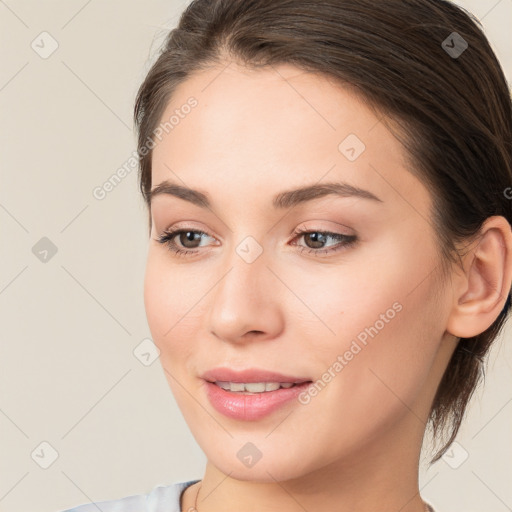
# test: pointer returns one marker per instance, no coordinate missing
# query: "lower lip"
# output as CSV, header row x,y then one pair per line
x,y
251,407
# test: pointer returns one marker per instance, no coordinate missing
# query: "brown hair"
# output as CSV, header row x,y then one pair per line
x,y
455,111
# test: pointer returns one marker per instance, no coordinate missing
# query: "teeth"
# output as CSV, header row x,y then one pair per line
x,y
253,387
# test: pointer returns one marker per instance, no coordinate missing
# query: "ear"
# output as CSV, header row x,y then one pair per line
x,y
481,290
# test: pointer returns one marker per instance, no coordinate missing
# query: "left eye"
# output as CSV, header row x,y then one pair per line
x,y
318,240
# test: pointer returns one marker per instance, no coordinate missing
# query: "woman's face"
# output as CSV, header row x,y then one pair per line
x,y
353,303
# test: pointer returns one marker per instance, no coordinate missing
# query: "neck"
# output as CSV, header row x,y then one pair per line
x,y
380,477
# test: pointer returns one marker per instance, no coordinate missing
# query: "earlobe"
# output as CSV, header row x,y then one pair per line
x,y
482,291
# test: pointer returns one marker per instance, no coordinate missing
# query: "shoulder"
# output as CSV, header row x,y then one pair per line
x,y
161,498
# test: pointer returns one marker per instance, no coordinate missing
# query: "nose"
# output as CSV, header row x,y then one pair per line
x,y
245,304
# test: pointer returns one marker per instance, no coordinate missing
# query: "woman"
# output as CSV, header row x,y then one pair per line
x,y
330,252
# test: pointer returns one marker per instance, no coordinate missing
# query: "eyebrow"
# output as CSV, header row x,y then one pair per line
x,y
285,199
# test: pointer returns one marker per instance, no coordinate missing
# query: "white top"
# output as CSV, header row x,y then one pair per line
x,y
160,499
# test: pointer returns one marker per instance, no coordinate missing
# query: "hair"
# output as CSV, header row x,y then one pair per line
x,y
455,112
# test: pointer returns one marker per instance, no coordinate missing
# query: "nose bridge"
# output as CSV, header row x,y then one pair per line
x,y
246,266
244,284
243,300
245,281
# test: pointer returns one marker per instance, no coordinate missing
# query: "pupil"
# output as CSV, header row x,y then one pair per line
x,y
188,236
319,239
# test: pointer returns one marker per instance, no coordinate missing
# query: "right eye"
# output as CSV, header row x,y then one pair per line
x,y
185,237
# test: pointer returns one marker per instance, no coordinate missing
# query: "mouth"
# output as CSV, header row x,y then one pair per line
x,y
252,401
255,388
251,380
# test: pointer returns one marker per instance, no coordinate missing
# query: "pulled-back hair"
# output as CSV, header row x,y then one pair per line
x,y
452,103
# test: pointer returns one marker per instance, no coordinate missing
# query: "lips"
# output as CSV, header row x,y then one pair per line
x,y
225,374
252,406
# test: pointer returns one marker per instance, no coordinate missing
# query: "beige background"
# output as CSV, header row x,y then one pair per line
x,y
69,325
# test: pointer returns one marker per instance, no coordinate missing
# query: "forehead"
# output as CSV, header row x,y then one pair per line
x,y
250,108
273,127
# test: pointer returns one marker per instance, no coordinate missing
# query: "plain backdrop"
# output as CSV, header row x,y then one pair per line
x,y
74,396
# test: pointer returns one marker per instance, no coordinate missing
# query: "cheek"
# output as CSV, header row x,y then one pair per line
x,y
171,297
382,315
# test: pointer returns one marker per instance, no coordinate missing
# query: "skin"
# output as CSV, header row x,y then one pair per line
x,y
356,445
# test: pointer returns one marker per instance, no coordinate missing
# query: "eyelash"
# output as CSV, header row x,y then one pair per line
x,y
166,238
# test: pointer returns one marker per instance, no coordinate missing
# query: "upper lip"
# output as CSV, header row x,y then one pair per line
x,y
223,374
